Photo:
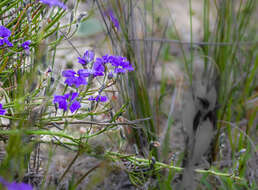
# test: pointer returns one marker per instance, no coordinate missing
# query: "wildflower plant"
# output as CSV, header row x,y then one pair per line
x,y
29,97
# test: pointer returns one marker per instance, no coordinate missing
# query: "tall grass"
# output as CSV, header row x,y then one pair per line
x,y
227,46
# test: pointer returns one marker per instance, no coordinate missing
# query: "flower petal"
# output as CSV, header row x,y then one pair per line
x,y
73,96
7,42
91,98
51,3
58,98
75,106
80,81
2,111
63,105
26,45
4,32
68,73
84,72
119,70
19,186
81,61
101,98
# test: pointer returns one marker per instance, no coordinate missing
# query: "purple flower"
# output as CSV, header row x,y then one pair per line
x,y
121,65
85,72
113,19
19,186
88,72
26,46
101,98
105,58
98,98
87,57
61,100
116,60
15,186
5,33
77,79
51,3
2,111
99,67
67,100
69,73
75,106
110,75
91,98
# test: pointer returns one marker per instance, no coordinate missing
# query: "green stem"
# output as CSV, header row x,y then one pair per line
x,y
163,166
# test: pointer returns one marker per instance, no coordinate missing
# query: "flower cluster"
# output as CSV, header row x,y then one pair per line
x,y
99,67
119,63
98,98
15,186
5,33
94,68
120,66
51,3
67,100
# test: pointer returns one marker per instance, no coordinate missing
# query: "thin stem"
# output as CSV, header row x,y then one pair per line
x,y
87,173
134,122
178,169
69,167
